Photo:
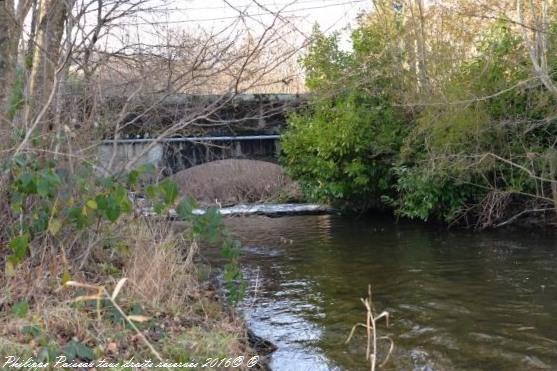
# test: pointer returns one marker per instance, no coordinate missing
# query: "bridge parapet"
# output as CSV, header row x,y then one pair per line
x,y
208,115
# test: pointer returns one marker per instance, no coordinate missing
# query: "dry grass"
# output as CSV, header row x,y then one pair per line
x,y
160,267
235,181
31,282
185,318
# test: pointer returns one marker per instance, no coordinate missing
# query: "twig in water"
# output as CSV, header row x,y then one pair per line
x,y
370,326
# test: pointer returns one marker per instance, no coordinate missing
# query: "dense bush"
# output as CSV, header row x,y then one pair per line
x,y
480,148
343,146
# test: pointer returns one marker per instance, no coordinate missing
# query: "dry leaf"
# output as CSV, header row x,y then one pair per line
x,y
112,347
139,318
88,297
118,287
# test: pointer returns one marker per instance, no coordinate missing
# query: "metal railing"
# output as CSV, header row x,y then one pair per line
x,y
192,139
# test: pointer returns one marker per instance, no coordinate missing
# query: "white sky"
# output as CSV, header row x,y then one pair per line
x,y
215,15
334,14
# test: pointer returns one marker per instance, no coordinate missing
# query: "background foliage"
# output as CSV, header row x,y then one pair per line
x,y
396,122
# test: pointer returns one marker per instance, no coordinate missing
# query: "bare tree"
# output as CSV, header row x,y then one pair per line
x,y
98,68
12,17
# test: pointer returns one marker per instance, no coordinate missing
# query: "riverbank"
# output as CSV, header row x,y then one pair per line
x,y
168,308
249,187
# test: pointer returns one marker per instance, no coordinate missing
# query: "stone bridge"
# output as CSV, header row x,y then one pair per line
x,y
245,126
171,155
207,115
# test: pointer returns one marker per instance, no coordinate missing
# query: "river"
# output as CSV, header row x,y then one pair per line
x,y
458,300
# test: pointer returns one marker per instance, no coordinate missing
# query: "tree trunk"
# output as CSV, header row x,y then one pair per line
x,y
420,40
537,45
11,32
6,57
419,66
52,15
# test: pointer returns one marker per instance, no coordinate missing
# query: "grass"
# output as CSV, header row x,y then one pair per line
x,y
161,310
201,343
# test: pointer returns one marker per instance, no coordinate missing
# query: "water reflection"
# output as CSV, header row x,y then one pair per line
x,y
458,300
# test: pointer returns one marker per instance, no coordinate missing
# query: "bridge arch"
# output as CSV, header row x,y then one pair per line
x,y
172,155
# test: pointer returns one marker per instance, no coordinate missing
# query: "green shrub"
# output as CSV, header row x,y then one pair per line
x,y
343,151
343,146
426,194
486,126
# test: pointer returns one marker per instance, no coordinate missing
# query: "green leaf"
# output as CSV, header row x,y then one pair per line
x,y
133,177
54,226
120,193
32,330
101,201
185,208
147,169
43,187
126,206
151,191
76,216
92,204
159,208
16,202
112,211
75,349
106,182
27,183
20,309
19,246
48,354
47,183
169,190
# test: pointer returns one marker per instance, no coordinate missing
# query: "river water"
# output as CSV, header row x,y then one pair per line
x,y
457,300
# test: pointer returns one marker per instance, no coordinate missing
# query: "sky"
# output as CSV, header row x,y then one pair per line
x,y
215,15
235,19
330,14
